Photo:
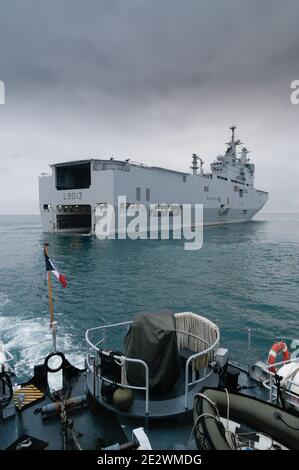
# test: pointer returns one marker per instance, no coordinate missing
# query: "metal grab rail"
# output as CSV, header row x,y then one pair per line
x,y
191,358
121,359
191,334
134,387
104,327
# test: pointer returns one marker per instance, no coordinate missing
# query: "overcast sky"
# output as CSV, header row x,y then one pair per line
x,y
154,80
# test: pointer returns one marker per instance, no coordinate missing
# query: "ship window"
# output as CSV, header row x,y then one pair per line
x,y
244,211
47,207
184,179
206,189
148,194
138,194
241,193
73,176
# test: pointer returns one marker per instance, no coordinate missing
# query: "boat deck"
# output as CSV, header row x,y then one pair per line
x,y
90,423
95,421
176,432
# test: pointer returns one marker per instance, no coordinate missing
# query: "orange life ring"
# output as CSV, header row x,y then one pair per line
x,y
277,348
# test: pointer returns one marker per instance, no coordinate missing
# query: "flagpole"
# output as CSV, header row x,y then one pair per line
x,y
53,324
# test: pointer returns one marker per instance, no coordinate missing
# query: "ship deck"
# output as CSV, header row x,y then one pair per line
x,y
176,433
95,422
90,423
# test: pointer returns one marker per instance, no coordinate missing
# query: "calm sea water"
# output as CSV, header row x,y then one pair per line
x,y
245,276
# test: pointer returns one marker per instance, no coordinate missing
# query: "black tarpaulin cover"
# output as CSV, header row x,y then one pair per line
x,y
152,338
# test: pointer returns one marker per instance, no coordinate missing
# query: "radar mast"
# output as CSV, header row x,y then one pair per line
x,y
231,153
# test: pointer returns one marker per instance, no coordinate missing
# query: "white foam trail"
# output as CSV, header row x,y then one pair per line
x,y
30,341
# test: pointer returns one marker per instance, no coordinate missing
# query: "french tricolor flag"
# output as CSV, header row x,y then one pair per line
x,y
50,267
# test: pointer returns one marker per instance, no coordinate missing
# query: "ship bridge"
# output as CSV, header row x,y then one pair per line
x,y
231,167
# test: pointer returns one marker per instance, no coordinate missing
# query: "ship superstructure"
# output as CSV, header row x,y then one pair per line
x,y
70,196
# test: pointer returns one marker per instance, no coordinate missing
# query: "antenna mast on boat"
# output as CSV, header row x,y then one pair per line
x,y
233,128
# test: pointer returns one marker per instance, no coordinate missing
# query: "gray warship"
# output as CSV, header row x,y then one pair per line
x,y
71,197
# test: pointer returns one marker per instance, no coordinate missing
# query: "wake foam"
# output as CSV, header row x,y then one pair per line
x,y
30,341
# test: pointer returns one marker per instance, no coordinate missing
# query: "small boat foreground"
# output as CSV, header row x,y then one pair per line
x,y
232,421
159,382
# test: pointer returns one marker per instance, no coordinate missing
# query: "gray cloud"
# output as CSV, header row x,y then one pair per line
x,y
155,79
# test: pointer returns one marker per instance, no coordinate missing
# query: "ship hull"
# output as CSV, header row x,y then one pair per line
x,y
211,217
70,205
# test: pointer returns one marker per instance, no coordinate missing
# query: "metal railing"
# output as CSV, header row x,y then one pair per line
x,y
251,332
270,383
123,359
192,358
249,345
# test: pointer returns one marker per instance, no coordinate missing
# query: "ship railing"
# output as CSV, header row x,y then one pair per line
x,y
271,385
191,360
121,359
251,332
249,345
93,364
